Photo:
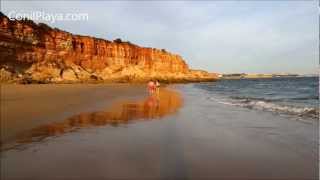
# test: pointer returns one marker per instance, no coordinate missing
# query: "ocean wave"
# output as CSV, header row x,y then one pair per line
x,y
247,99
267,105
306,98
243,98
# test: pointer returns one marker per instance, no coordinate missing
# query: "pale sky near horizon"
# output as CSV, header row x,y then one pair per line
x,y
218,36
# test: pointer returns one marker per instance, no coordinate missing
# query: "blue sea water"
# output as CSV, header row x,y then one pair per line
x,y
294,95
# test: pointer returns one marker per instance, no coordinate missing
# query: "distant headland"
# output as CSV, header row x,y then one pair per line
x,y
38,53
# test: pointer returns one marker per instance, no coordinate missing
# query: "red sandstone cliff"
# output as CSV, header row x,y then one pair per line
x,y
42,53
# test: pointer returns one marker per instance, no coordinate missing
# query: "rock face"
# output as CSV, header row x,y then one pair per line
x,y
38,53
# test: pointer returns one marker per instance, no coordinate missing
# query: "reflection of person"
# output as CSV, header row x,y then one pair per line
x,y
151,87
151,106
151,101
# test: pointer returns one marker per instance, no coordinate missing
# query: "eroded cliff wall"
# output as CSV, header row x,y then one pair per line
x,y
41,53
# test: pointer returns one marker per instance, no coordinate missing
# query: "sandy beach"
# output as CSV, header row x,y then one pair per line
x,y
26,106
177,134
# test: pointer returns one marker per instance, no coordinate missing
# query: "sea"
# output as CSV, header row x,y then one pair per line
x,y
296,96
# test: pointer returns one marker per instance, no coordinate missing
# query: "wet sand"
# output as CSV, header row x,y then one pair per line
x,y
26,106
120,112
166,137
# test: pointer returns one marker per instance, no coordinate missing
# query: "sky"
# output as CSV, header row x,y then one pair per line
x,y
217,36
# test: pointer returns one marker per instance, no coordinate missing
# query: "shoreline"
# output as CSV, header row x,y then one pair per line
x,y
110,81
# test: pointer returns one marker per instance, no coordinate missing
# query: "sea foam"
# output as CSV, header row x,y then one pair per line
x,y
268,105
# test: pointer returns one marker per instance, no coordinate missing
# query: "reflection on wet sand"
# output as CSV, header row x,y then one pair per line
x,y
155,106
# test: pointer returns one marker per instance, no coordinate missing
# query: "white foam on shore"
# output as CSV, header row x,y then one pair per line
x,y
269,106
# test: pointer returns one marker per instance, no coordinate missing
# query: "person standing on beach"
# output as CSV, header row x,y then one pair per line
x,y
151,87
157,86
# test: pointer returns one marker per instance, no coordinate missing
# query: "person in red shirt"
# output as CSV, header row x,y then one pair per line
x,y
151,87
